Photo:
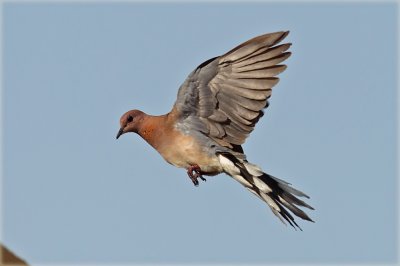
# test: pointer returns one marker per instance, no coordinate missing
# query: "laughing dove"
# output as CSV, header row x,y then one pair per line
x,y
217,108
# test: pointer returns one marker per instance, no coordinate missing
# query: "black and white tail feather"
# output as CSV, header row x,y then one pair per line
x,y
277,193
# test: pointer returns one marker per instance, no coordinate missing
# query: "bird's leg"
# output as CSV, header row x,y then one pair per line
x,y
194,172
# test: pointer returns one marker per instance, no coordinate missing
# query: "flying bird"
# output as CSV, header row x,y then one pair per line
x,y
216,109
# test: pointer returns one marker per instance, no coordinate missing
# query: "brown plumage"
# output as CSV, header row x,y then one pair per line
x,y
217,108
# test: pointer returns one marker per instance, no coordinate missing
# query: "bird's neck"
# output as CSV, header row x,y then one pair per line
x,y
152,128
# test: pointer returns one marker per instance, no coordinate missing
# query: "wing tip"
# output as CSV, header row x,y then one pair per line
x,y
283,36
278,36
267,40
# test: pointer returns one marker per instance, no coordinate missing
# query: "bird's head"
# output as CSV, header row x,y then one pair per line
x,y
129,122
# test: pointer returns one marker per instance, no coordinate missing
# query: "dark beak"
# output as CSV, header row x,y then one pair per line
x,y
120,132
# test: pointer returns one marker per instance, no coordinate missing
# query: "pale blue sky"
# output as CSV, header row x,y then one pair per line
x,y
73,194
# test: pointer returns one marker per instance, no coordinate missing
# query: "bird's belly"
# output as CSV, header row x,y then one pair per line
x,y
188,152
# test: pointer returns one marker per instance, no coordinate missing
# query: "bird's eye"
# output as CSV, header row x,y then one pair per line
x,y
130,118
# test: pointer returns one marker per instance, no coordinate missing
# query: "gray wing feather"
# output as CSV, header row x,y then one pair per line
x,y
254,46
250,84
247,93
251,104
218,116
275,53
257,73
224,97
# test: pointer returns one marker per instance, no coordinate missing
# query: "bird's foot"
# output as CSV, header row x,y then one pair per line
x,y
194,172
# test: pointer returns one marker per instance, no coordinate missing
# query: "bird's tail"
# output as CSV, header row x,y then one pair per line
x,y
280,196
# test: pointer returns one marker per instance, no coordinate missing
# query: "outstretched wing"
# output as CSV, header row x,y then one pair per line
x,y
224,96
